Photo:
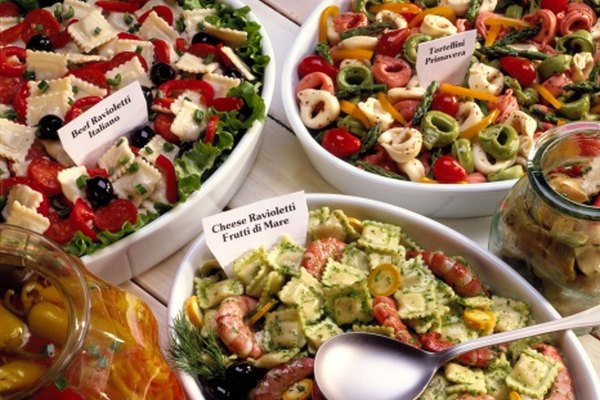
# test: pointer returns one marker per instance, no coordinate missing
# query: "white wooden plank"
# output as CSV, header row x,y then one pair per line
x,y
295,10
592,347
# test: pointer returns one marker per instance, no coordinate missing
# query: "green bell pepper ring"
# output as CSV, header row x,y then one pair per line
x,y
438,129
514,172
554,65
500,141
576,109
412,44
462,150
353,76
577,42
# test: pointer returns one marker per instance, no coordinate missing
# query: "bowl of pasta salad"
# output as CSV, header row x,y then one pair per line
x,y
206,73
374,127
365,266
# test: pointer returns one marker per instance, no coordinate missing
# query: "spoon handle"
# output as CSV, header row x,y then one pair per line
x,y
583,319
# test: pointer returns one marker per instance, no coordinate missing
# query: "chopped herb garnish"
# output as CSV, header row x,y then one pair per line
x,y
39,27
128,18
29,75
116,81
71,101
61,383
124,160
141,189
168,146
43,86
120,142
198,115
138,49
81,181
134,167
97,31
148,150
75,89
180,25
209,58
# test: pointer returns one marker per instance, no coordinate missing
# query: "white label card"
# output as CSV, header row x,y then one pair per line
x,y
445,59
89,135
232,233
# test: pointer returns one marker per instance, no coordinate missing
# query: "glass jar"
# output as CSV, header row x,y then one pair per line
x,y
548,227
68,335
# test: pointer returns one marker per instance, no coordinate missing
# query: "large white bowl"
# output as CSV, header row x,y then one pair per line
x,y
150,245
434,200
429,234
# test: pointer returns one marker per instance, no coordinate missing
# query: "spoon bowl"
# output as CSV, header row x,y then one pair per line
x,y
359,365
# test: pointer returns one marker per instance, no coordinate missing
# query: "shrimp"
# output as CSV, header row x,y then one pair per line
x,y
318,252
479,358
394,72
237,336
562,388
456,274
274,384
386,313
316,80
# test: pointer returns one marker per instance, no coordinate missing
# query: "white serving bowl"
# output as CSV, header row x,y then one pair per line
x,y
501,278
150,245
434,200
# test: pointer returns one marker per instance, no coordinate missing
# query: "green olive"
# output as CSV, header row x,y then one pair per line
x,y
500,141
554,65
353,76
438,129
576,109
577,42
514,172
463,152
412,44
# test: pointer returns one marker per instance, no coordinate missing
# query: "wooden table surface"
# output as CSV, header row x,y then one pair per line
x,y
282,19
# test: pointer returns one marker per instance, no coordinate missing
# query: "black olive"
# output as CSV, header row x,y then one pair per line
x,y
99,191
217,389
245,376
147,95
234,73
48,127
203,37
184,147
40,43
142,136
48,3
161,73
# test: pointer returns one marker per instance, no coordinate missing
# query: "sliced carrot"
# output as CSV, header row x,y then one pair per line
x,y
261,311
442,11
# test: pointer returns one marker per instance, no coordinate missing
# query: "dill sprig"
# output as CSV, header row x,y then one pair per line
x,y
193,353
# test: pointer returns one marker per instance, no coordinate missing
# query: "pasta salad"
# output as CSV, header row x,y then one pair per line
x,y
200,66
535,66
254,334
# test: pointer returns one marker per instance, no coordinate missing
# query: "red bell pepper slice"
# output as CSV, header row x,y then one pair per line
x,y
11,34
117,6
204,88
80,105
162,11
211,129
20,101
204,50
161,51
82,217
227,103
181,45
165,164
129,36
7,66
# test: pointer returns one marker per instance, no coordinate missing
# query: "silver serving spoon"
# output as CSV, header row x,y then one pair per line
x,y
360,366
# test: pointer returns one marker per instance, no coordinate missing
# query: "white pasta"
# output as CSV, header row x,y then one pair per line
x,y
80,8
396,19
195,65
483,163
91,31
375,113
401,144
8,22
414,169
413,90
583,63
185,125
437,26
486,78
25,196
26,217
333,37
46,65
138,185
522,122
117,159
157,146
84,88
192,19
129,72
68,182
221,83
488,5
187,95
61,86
310,99
231,37
525,144
154,27
15,140
238,63
468,115
359,42
460,7
38,106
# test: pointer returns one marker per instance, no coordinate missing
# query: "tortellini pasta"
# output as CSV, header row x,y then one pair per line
x,y
486,78
312,115
437,26
402,144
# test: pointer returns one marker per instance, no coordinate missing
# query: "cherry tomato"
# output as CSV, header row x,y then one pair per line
x,y
341,143
596,202
117,6
9,86
316,63
9,9
392,43
445,103
82,217
112,216
555,6
12,61
39,21
227,103
162,126
162,11
44,173
11,34
446,169
211,129
61,231
519,68
91,75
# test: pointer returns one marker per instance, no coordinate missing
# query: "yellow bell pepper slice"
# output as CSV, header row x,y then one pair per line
x,y
356,54
425,179
492,35
514,395
352,110
442,11
387,106
480,319
331,11
193,312
470,133
400,8
505,21
356,224
265,308
547,95
384,280
463,91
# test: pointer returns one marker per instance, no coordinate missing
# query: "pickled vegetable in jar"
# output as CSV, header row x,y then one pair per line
x,y
548,226
67,334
